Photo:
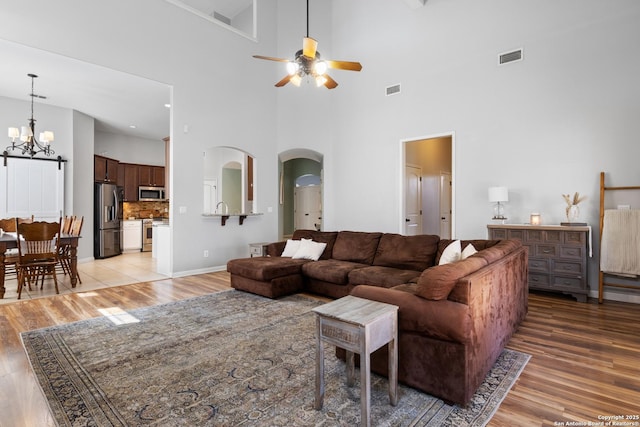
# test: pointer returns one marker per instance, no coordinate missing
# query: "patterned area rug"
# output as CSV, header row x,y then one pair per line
x,y
224,359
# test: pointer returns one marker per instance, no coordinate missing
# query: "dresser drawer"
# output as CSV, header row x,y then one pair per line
x,y
572,252
539,265
539,280
568,268
546,251
561,282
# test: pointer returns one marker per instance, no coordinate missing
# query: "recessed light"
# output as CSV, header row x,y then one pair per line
x,y
167,105
132,126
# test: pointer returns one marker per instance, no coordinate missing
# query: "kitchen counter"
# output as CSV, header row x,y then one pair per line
x,y
161,247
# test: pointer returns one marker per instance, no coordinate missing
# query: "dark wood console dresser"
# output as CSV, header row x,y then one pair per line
x,y
557,255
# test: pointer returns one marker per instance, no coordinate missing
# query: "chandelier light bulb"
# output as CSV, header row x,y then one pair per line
x,y
14,133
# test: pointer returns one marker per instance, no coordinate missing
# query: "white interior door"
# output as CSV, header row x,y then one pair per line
x,y
445,205
413,201
307,206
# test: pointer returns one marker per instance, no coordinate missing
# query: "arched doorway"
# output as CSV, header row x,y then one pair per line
x,y
300,169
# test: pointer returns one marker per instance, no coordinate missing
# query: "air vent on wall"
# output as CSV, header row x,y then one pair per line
x,y
516,55
392,90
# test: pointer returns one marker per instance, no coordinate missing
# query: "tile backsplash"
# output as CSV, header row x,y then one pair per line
x,y
145,210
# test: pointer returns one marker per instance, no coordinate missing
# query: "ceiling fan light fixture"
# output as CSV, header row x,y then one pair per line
x,y
320,67
308,63
292,67
296,80
320,80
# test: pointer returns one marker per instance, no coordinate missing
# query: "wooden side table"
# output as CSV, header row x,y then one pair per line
x,y
359,326
258,249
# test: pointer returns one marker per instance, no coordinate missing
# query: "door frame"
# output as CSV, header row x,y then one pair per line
x,y
401,179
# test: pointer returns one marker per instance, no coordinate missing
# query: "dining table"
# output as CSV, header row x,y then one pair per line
x,y
9,241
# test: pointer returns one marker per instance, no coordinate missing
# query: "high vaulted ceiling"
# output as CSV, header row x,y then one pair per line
x,y
116,100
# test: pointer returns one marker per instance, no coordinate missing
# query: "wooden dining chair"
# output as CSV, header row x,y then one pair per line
x,y
64,253
38,244
8,225
66,223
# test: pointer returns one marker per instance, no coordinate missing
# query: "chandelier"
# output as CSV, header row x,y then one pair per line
x,y
28,143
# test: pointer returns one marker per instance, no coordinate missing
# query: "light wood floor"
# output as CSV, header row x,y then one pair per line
x,y
585,357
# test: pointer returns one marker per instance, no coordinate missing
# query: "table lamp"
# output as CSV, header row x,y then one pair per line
x,y
498,195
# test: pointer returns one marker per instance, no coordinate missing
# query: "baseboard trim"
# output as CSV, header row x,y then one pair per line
x,y
199,271
618,296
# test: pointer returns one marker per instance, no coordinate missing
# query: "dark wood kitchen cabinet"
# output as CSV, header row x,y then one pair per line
x,y
105,169
152,176
130,182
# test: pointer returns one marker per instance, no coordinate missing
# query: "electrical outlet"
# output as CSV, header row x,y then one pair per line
x,y
206,253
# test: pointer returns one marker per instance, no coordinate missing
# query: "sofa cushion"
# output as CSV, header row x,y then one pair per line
x,y
291,248
479,244
406,252
265,268
452,253
437,282
331,270
381,276
356,246
328,237
309,249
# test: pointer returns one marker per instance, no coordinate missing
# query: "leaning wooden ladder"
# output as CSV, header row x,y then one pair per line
x,y
601,275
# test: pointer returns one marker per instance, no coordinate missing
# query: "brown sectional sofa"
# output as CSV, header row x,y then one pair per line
x,y
454,319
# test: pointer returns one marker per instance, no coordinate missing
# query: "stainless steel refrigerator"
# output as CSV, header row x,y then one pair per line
x,y
107,240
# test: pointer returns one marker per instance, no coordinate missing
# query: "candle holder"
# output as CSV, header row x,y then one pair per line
x,y
535,219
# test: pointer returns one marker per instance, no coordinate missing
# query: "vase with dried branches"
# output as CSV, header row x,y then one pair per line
x,y
572,210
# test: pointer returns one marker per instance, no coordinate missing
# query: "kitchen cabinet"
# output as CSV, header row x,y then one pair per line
x,y
132,235
105,169
152,176
130,182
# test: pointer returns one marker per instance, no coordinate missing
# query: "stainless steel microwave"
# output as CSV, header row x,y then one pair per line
x,y
151,194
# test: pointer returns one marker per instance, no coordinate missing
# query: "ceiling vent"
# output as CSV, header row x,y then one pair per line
x,y
513,56
220,17
392,90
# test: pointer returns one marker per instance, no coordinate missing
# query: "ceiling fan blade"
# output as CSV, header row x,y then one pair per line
x,y
309,47
270,58
330,83
344,65
284,81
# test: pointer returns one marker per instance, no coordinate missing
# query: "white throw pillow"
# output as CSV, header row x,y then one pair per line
x,y
291,248
310,250
451,253
468,251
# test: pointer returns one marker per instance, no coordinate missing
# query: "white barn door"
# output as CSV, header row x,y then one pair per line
x,y
32,187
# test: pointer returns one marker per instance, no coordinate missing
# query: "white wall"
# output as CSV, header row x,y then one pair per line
x,y
544,126
130,149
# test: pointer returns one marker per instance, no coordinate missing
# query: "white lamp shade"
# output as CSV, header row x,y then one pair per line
x,y
14,132
498,194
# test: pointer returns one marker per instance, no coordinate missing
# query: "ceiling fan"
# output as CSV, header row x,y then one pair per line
x,y
308,62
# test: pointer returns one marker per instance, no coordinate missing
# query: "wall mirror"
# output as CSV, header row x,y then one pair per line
x,y
238,16
228,182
